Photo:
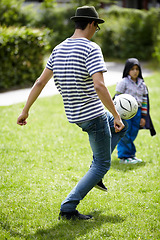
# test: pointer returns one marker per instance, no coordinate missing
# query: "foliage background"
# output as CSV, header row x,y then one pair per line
x,y
125,33
21,50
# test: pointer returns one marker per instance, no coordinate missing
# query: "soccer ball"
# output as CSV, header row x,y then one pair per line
x,y
126,105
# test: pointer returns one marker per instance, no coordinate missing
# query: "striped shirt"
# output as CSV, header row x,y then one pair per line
x,y
137,90
73,63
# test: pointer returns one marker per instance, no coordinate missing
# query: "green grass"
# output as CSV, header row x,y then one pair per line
x,y
42,162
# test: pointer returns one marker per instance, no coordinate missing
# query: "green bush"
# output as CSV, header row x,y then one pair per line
x,y
126,33
156,52
58,21
129,33
21,51
12,13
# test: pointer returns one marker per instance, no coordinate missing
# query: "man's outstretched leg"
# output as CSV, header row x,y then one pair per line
x,y
100,141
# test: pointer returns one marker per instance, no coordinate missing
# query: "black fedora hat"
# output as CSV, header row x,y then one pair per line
x,y
86,13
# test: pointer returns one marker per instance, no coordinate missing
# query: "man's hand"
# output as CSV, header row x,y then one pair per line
x,y
118,124
22,119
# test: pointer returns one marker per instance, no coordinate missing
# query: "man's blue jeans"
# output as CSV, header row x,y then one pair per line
x,y
103,139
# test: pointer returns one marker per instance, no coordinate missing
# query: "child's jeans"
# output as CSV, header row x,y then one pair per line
x,y
126,147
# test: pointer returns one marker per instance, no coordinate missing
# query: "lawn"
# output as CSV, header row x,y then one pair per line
x,y
42,161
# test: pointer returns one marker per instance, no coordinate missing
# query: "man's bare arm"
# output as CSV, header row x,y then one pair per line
x,y
35,92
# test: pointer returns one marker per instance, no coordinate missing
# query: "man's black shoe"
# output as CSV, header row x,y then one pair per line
x,y
73,216
101,186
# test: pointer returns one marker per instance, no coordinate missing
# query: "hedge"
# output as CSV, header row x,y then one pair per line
x,y
12,13
129,33
58,21
125,33
22,51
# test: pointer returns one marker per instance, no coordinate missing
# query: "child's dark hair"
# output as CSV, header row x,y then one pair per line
x,y
129,64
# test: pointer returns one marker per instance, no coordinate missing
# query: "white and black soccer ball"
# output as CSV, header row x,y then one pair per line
x,y
126,105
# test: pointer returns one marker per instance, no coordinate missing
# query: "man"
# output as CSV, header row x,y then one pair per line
x,y
77,66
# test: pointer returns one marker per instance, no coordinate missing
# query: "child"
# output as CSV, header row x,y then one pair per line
x,y
132,83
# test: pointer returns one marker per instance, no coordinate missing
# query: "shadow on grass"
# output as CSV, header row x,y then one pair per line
x,y
126,167
72,229
68,230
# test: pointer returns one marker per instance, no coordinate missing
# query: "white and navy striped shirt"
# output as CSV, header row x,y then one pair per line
x,y
73,63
